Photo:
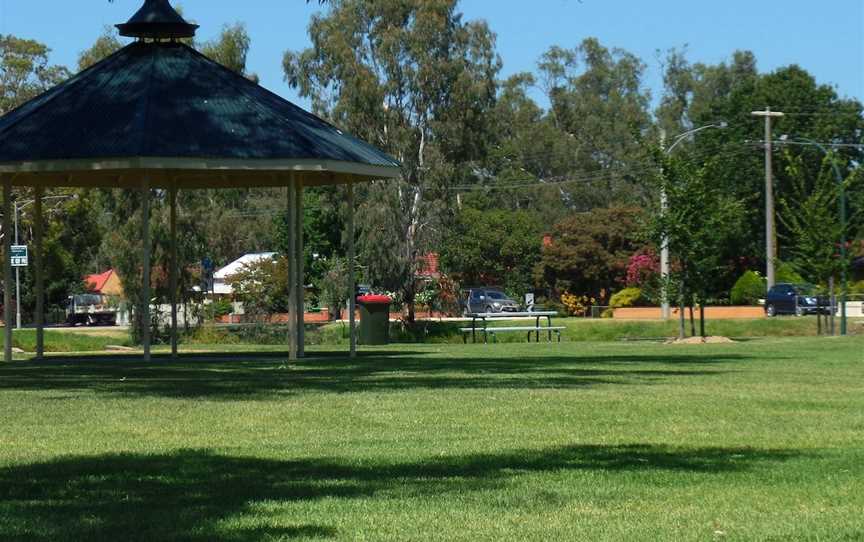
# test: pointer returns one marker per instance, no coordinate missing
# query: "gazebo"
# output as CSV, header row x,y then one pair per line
x,y
159,115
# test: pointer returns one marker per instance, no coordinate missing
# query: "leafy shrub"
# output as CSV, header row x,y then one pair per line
x,y
628,297
219,308
857,288
786,273
577,305
748,289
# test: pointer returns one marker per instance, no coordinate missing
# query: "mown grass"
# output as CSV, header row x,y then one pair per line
x,y
69,339
578,441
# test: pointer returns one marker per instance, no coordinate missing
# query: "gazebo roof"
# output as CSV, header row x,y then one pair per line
x,y
162,108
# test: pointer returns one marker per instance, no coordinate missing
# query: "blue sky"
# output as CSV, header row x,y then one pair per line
x,y
826,38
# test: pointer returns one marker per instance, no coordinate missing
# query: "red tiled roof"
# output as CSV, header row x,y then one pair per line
x,y
96,282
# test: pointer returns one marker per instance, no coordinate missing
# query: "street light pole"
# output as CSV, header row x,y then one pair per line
x,y
770,249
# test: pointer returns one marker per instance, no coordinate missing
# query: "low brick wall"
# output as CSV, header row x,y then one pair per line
x,y
855,309
711,313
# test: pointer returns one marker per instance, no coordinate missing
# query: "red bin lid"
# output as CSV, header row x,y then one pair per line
x,y
371,299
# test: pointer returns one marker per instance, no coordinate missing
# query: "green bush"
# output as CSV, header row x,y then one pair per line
x,y
748,289
628,297
786,273
857,288
217,309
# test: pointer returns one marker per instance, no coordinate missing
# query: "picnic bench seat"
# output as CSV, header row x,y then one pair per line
x,y
494,330
484,318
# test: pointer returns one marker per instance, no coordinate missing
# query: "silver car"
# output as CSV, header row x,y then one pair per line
x,y
479,300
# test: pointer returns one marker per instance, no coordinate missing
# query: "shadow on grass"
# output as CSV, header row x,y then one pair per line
x,y
194,494
245,376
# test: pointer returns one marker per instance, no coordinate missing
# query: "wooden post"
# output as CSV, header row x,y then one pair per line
x,y
172,272
352,283
7,267
292,270
301,290
38,264
145,263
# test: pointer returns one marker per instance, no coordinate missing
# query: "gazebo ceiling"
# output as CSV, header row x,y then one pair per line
x,y
161,110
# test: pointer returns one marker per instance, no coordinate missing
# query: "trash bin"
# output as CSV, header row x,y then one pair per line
x,y
374,319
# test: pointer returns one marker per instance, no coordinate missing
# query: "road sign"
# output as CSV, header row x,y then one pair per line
x,y
18,255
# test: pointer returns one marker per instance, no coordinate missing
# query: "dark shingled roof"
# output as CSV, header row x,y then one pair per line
x,y
166,100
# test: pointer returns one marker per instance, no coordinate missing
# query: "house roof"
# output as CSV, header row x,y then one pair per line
x,y
97,282
221,277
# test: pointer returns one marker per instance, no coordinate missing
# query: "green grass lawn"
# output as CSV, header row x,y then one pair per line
x,y
762,440
68,340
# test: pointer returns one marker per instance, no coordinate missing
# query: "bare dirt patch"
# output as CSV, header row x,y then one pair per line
x,y
702,340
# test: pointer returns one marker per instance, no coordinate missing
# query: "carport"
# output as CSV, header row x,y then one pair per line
x,y
158,115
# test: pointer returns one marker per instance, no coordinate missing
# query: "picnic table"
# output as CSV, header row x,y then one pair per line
x,y
480,324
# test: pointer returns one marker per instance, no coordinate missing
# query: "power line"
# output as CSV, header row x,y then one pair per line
x,y
639,168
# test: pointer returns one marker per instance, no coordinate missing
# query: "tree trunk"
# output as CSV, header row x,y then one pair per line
x,y
692,320
681,322
702,320
831,305
411,312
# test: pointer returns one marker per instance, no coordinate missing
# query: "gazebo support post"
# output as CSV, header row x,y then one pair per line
x,y
172,272
352,281
301,291
145,264
292,269
38,228
7,268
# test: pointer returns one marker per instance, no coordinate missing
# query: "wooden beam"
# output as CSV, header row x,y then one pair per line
x,y
7,267
145,267
172,272
301,290
352,281
292,270
38,264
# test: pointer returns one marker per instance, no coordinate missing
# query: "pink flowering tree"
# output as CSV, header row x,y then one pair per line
x,y
643,268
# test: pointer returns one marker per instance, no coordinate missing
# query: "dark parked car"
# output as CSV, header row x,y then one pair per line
x,y
797,299
477,300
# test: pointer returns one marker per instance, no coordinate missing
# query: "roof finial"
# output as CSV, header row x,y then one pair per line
x,y
157,20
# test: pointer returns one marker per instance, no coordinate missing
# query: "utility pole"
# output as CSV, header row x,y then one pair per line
x,y
770,249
